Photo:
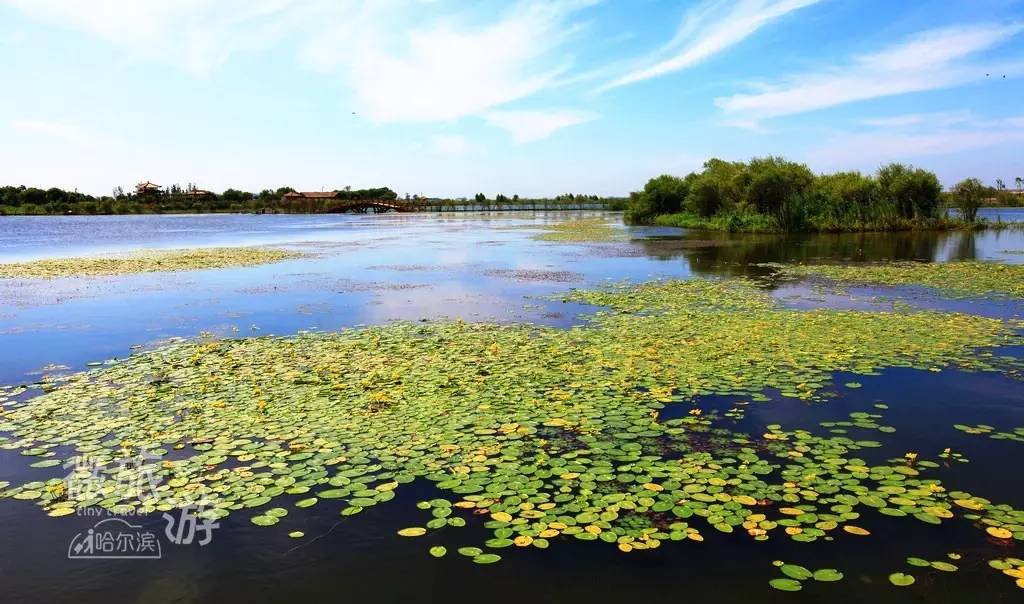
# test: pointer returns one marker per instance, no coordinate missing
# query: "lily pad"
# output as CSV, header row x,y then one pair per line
x,y
827,575
794,571
901,579
782,584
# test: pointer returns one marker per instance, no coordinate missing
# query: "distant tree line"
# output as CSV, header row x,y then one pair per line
x,y
188,199
774,194
1001,196
501,202
175,199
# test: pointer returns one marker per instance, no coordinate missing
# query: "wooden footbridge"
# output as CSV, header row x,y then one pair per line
x,y
333,202
362,206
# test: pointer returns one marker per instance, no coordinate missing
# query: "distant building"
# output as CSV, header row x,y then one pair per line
x,y
198,193
295,195
147,188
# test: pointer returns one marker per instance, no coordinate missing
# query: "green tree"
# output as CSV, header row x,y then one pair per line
x,y
731,179
661,195
968,194
705,197
844,197
913,192
666,194
777,186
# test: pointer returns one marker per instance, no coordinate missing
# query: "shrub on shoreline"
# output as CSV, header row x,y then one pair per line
x,y
772,194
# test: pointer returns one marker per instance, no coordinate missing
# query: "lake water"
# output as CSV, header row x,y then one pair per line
x,y
997,214
373,269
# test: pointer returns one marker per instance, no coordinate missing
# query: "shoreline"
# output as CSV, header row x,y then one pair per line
x,y
760,224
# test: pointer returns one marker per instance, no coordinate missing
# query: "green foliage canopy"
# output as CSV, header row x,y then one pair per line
x,y
968,194
788,196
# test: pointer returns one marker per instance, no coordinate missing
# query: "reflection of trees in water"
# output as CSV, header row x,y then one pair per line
x,y
737,254
965,247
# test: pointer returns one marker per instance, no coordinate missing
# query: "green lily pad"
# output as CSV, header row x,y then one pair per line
x,y
901,579
794,571
782,584
827,575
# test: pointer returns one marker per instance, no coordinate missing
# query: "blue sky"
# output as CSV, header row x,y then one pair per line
x,y
452,97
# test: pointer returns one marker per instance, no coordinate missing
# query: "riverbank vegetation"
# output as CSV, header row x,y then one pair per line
x,y
31,201
772,194
150,261
189,200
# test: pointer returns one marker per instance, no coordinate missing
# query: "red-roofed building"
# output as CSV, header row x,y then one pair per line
x,y
147,188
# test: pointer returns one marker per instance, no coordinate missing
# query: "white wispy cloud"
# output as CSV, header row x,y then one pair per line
x,y
529,126
935,59
196,35
60,131
912,136
447,68
403,60
708,29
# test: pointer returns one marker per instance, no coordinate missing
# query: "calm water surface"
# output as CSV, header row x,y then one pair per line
x,y
486,267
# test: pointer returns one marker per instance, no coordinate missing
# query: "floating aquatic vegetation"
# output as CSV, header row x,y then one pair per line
x,y
535,275
1016,435
796,574
901,579
951,455
540,434
150,261
728,337
966,278
582,230
905,580
345,286
1011,567
738,412
860,419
